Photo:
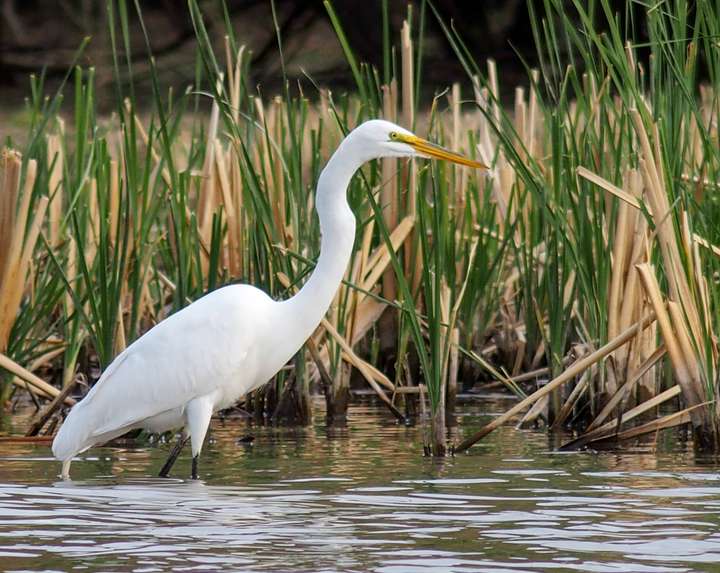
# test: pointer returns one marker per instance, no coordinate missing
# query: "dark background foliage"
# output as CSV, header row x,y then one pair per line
x,y
44,34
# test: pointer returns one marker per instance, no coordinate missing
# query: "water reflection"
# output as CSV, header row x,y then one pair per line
x,y
361,500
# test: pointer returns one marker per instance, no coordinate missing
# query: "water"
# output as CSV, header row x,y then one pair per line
x,y
362,500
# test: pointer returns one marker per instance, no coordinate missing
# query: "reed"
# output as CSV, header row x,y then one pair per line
x,y
617,121
587,254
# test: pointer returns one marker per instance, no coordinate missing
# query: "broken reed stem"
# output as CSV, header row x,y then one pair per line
x,y
624,390
16,261
678,358
567,407
9,246
610,428
670,421
56,160
578,367
42,417
389,199
27,376
413,268
325,378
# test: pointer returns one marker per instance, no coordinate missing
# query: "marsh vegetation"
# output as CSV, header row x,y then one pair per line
x,y
580,274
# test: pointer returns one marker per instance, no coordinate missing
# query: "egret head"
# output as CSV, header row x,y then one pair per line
x,y
382,138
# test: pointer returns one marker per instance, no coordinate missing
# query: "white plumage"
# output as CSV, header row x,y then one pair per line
x,y
233,340
202,354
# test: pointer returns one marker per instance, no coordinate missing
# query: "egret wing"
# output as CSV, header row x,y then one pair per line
x,y
190,354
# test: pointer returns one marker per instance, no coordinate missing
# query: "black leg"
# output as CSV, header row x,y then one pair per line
x,y
195,467
182,440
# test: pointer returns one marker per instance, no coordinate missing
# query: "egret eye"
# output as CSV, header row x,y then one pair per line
x,y
393,135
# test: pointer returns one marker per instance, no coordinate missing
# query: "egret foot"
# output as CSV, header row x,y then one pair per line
x,y
65,474
194,474
182,440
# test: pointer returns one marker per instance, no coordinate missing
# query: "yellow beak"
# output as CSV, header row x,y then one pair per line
x,y
431,150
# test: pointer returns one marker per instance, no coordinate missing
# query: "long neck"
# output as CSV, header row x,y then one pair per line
x,y
337,228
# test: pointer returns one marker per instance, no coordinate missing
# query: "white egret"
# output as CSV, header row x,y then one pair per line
x,y
235,339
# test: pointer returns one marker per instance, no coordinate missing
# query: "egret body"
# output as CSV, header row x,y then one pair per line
x,y
233,340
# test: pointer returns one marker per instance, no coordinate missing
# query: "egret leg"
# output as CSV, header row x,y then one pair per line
x,y
65,474
198,414
177,448
194,474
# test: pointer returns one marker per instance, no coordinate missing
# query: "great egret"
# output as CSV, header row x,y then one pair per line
x,y
233,340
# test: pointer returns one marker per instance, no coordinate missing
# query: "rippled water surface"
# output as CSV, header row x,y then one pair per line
x,y
361,500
